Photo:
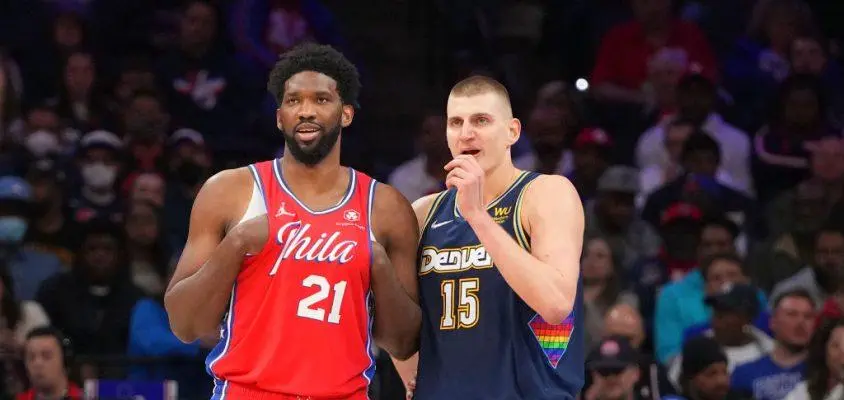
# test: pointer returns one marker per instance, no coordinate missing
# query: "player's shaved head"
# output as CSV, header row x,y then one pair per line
x,y
479,85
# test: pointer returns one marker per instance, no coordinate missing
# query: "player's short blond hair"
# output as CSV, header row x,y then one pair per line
x,y
478,85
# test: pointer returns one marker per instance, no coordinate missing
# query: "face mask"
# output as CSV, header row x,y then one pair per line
x,y
41,143
12,229
99,175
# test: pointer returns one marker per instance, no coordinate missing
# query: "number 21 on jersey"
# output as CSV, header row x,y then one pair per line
x,y
461,308
306,305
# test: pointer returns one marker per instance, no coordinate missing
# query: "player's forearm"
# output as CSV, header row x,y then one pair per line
x,y
540,285
196,304
398,317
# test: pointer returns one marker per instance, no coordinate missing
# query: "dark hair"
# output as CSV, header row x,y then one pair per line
x,y
159,250
8,305
707,263
828,228
61,339
700,141
799,292
318,58
721,221
148,93
692,81
613,286
817,372
794,83
102,227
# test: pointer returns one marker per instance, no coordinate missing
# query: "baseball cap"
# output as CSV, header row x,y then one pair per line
x,y
13,188
619,178
100,138
699,353
592,137
612,353
681,211
186,135
739,297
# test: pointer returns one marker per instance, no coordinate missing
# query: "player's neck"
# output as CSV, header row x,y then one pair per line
x,y
498,179
314,177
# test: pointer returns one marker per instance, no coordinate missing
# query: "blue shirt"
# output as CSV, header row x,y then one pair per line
x,y
766,380
29,268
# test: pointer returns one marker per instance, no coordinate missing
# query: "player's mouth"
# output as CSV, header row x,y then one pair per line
x,y
471,152
307,132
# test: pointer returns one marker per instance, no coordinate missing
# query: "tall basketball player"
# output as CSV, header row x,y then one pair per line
x,y
288,254
499,271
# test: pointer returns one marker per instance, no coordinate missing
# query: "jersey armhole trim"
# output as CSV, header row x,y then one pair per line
x,y
370,201
521,236
431,212
259,184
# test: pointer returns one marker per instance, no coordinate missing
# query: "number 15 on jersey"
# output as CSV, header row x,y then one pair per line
x,y
460,296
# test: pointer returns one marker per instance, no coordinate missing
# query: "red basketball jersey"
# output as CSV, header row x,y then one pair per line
x,y
299,320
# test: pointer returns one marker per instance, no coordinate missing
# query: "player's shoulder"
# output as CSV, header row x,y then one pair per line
x,y
551,187
226,190
422,206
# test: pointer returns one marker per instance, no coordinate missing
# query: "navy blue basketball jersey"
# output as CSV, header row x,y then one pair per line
x,y
479,340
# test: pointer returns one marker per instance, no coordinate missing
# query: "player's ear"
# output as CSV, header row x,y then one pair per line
x,y
348,115
278,118
514,131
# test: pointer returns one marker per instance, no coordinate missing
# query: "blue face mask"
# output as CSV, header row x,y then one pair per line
x,y
12,229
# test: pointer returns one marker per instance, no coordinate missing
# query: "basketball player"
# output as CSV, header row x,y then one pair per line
x,y
499,272
291,250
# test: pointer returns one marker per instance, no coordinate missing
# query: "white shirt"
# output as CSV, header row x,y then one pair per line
x,y
736,356
801,392
734,144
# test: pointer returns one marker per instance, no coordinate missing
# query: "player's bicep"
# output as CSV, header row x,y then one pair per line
x,y
422,208
208,219
555,223
398,231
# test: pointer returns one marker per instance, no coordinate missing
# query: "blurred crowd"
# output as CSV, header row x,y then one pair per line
x,y
704,137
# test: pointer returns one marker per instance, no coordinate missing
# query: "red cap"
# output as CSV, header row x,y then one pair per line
x,y
678,211
592,137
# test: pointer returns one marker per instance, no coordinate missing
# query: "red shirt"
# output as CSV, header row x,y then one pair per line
x,y
73,393
299,320
624,53
830,310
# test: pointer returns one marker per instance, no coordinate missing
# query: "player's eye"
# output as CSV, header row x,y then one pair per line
x,y
291,101
322,100
455,122
483,121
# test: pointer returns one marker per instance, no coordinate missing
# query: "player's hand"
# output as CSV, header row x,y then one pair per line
x,y
465,174
252,234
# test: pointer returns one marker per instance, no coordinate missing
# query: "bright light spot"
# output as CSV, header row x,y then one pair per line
x,y
581,84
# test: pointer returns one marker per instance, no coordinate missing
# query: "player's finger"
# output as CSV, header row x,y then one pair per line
x,y
457,161
454,182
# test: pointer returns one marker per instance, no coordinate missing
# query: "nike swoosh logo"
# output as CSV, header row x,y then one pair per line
x,y
436,224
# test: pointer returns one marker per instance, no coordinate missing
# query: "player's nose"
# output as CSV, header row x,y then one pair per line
x,y
306,110
467,132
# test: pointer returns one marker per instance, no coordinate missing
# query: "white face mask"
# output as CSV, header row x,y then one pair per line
x,y
41,143
98,175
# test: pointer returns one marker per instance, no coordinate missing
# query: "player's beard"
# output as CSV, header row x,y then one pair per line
x,y
318,152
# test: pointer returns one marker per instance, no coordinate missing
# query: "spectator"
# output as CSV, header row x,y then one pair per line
x,y
18,319
202,81
734,309
809,54
759,62
773,376
92,303
821,278
696,98
591,157
824,365
798,117
554,122
424,174
149,255
145,128
47,355
612,215
80,101
11,93
189,166
52,231
613,367
621,68
698,185
680,304
99,162
28,267
625,322
704,373
148,187
601,285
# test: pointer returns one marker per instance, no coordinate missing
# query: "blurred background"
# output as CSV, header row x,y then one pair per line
x,y
704,137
